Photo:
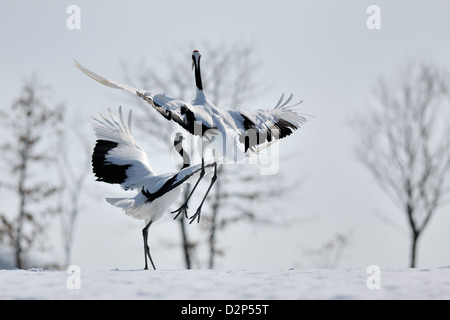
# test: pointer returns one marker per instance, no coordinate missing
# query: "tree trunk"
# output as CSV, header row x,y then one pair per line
x,y
21,217
414,242
213,227
186,243
212,238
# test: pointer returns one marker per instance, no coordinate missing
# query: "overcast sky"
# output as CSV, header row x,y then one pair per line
x,y
322,51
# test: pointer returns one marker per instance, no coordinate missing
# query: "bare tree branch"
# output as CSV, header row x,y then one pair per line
x,y
33,123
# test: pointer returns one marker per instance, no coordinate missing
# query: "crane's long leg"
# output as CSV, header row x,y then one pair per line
x,y
146,247
184,206
199,209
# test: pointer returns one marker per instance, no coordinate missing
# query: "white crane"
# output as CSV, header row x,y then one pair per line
x,y
236,132
117,159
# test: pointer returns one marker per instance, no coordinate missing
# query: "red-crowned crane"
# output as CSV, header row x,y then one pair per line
x,y
117,159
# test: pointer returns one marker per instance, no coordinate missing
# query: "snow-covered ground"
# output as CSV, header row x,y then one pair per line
x,y
221,284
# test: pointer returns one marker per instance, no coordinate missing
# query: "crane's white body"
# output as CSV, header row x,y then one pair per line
x,y
139,207
118,159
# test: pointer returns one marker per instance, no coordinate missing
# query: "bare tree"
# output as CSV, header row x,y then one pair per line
x,y
73,172
405,143
32,124
330,253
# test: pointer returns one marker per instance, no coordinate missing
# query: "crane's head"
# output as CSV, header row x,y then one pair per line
x,y
196,64
195,59
178,145
178,138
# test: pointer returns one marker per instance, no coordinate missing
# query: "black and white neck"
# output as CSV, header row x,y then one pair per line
x,y
200,97
178,145
196,66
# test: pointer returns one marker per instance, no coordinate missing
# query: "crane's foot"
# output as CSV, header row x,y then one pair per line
x,y
184,208
196,215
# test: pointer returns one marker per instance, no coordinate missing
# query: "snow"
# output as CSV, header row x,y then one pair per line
x,y
226,284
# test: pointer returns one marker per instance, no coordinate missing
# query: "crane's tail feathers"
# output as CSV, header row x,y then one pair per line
x,y
123,203
126,204
129,206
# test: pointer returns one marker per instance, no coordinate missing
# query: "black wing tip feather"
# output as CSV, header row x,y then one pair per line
x,y
103,169
280,129
284,128
169,185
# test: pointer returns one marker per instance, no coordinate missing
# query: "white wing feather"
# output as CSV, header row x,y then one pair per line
x,y
127,152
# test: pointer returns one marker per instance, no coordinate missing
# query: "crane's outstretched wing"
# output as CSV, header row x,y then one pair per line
x,y
258,127
172,109
117,158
